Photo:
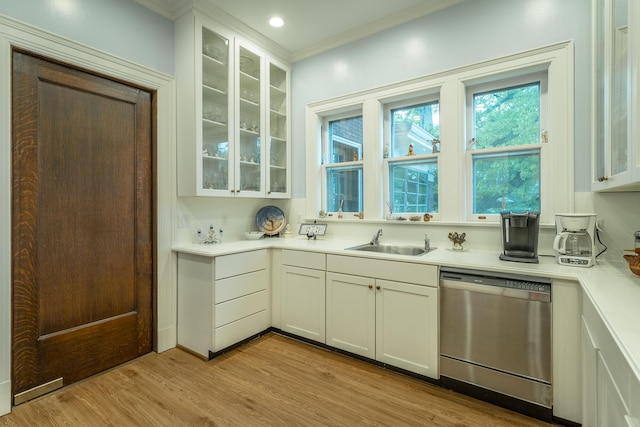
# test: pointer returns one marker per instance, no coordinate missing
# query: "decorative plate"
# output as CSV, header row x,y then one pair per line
x,y
270,220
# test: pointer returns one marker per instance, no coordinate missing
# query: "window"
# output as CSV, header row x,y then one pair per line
x,y
344,172
412,146
462,145
506,120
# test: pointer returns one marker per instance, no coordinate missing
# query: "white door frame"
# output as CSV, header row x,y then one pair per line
x,y
20,35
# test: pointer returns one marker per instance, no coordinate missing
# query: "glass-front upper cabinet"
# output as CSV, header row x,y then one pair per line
x,y
250,171
615,51
278,176
229,109
215,103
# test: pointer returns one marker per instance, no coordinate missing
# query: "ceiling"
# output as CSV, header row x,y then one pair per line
x,y
311,26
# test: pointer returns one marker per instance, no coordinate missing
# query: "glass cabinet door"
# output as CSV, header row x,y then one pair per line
x,y
611,91
278,152
619,88
216,151
249,157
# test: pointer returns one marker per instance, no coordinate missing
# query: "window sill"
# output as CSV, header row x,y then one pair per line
x,y
434,223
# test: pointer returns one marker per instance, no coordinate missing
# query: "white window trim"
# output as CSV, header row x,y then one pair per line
x,y
557,59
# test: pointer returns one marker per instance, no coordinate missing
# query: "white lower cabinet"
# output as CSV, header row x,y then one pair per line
x,y
611,391
303,294
222,300
391,321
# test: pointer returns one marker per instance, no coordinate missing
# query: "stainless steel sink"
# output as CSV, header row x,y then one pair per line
x,y
390,249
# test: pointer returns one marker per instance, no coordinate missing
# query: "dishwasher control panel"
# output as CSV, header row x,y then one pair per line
x,y
527,286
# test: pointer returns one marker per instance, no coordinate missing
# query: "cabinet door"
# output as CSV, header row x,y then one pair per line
x,y
303,302
615,93
611,408
589,377
212,111
249,176
407,326
351,313
278,178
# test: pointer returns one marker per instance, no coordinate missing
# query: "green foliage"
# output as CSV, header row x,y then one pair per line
x,y
507,118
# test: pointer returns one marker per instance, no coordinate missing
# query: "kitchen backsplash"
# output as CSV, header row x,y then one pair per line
x,y
619,213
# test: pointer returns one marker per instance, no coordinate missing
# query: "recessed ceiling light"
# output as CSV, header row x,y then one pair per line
x,y
276,21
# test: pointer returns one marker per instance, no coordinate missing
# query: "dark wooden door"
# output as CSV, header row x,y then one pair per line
x,y
82,224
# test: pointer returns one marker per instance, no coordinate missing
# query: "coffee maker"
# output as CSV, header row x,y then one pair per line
x,y
519,232
575,241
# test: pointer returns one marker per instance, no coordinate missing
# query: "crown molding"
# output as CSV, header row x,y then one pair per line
x,y
371,28
174,9
167,8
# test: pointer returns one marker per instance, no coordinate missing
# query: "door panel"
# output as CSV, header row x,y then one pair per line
x,y
82,223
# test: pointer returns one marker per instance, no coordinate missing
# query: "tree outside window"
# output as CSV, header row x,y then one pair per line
x,y
506,170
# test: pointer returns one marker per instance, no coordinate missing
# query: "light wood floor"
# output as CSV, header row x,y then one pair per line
x,y
272,381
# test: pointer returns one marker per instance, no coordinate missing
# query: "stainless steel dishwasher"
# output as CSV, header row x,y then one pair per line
x,y
495,333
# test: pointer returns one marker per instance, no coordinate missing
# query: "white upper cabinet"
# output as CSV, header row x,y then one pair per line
x,y
233,104
616,51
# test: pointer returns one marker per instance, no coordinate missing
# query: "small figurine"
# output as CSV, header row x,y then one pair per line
x,y
287,231
355,156
435,146
427,217
458,240
411,153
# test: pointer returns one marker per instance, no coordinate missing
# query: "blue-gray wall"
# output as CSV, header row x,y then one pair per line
x,y
469,32
120,27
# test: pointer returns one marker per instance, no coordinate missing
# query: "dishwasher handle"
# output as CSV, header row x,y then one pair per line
x,y
527,294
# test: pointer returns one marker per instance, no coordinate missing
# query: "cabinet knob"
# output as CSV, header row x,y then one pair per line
x,y
370,286
378,287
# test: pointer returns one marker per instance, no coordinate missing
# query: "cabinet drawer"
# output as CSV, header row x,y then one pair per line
x,y
238,286
237,331
407,272
235,264
313,260
238,308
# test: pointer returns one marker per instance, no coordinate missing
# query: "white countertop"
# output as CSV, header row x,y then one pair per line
x,y
613,289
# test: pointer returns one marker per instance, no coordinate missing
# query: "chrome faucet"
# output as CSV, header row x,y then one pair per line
x,y
376,238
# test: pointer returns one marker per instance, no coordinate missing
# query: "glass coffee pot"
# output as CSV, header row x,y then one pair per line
x,y
573,243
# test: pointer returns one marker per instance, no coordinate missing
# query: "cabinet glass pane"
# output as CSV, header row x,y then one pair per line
x,y
599,87
249,120
278,129
619,89
215,111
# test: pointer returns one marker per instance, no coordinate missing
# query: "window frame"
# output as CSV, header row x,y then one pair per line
x,y
326,149
557,170
406,102
497,83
